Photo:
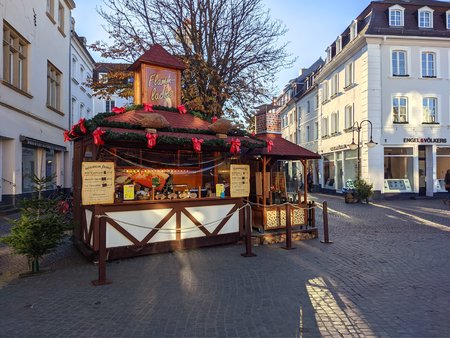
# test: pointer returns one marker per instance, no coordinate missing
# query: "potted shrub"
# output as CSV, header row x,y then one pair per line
x,y
40,227
363,190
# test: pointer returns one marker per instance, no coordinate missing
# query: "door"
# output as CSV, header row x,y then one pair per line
x,y
422,171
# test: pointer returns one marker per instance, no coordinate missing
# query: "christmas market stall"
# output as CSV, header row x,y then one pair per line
x,y
270,195
159,177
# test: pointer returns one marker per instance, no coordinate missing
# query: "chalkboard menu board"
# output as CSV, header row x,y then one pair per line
x,y
98,182
239,180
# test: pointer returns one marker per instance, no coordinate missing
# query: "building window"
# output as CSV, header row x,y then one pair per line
x,y
335,84
81,74
88,113
82,110
29,157
428,64
349,74
316,100
61,18
308,135
448,19
325,92
316,130
338,44
110,104
74,109
15,61
399,63
426,18
50,168
308,107
349,116
430,110
53,87
51,8
442,164
325,127
400,109
334,123
396,16
399,164
74,67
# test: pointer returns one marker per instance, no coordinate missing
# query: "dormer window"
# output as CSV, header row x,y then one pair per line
x,y
338,44
353,30
328,54
425,17
396,18
448,19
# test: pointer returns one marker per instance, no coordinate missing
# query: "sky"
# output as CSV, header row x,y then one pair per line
x,y
312,26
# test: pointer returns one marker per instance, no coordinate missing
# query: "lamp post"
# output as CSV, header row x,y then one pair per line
x,y
353,146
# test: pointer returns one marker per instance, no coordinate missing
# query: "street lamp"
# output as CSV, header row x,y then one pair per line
x,y
353,146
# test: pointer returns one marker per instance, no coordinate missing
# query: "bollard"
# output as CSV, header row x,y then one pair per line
x,y
325,224
288,229
248,234
310,214
102,254
313,214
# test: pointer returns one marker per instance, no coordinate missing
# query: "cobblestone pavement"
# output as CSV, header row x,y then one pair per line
x,y
387,274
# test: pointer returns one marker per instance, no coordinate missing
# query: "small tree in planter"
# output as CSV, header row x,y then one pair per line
x,y
40,227
363,190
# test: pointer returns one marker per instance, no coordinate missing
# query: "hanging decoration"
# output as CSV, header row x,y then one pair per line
x,y
235,146
66,136
72,132
151,140
269,145
82,126
148,107
214,119
182,109
97,134
118,110
253,134
197,144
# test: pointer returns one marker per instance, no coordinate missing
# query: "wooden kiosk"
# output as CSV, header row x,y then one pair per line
x,y
157,175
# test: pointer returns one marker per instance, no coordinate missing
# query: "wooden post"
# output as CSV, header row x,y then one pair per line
x,y
288,229
102,254
305,183
248,233
326,239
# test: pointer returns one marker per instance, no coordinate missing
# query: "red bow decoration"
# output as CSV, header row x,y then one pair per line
x,y
148,107
197,144
72,132
214,119
182,109
253,134
151,140
118,110
235,146
66,136
97,133
269,145
82,126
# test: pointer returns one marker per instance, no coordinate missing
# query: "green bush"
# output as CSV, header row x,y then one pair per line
x,y
363,190
40,227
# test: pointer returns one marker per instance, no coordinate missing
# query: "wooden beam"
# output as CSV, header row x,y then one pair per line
x,y
305,182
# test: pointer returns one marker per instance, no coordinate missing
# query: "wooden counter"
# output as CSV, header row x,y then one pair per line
x,y
143,227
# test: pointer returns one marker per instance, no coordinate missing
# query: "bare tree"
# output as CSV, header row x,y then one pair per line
x,y
230,47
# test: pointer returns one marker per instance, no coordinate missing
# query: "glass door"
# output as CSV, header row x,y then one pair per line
x,y
422,171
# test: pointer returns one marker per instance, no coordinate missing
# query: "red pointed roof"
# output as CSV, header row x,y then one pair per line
x,y
158,56
283,149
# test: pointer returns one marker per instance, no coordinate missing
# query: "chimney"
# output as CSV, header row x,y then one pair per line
x,y
267,119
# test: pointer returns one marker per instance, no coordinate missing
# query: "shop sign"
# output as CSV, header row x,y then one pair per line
x,y
160,86
239,180
424,140
339,147
97,182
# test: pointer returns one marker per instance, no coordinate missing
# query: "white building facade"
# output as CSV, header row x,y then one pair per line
x,y
81,70
34,94
387,77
